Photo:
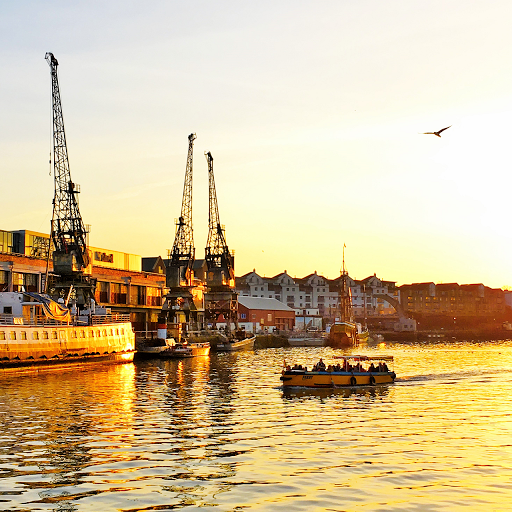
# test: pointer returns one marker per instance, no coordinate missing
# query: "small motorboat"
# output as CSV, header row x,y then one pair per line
x,y
348,371
170,349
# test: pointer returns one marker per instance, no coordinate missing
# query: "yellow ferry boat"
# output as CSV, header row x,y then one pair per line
x,y
349,371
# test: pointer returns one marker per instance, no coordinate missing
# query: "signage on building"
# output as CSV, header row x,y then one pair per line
x,y
102,256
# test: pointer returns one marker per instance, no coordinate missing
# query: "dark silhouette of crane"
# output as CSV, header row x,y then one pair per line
x,y
68,232
179,273
220,297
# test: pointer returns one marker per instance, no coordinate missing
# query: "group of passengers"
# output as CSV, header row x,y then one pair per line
x,y
347,367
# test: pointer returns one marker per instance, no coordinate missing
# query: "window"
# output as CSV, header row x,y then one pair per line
x,y
91,334
104,332
54,335
23,335
269,317
8,310
117,332
35,335
2,335
242,316
13,335
122,331
154,296
82,334
45,335
73,334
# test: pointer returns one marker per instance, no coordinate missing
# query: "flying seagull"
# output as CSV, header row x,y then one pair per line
x,y
437,133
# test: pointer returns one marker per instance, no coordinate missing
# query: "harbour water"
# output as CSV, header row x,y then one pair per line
x,y
220,434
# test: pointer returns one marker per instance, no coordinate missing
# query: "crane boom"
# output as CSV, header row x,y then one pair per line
x,y
68,230
183,251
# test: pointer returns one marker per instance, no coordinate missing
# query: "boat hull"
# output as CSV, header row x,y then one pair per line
x,y
298,378
192,350
306,342
232,346
25,346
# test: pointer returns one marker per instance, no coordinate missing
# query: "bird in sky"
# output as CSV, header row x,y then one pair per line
x,y
437,133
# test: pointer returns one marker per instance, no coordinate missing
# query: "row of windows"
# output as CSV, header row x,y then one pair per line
x,y
46,335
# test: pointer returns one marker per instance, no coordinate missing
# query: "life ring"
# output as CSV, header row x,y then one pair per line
x,y
372,380
353,381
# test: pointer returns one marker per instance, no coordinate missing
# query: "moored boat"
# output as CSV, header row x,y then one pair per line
x,y
307,339
36,331
349,371
234,344
170,349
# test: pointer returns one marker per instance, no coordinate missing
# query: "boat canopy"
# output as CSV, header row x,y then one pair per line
x,y
366,358
51,309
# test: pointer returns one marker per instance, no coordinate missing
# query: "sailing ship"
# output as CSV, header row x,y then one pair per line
x,y
345,331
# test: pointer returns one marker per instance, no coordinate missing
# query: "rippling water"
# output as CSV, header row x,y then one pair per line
x,y
220,434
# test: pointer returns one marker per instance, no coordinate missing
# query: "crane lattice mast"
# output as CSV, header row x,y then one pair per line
x,y
221,299
217,254
68,232
183,251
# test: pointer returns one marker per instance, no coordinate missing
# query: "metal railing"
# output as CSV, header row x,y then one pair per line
x,y
35,320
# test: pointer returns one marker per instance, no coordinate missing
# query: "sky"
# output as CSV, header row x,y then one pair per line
x,y
313,112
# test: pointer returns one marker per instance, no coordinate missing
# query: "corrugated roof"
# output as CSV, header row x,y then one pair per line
x,y
262,303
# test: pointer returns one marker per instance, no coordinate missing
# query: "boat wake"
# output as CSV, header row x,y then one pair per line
x,y
452,376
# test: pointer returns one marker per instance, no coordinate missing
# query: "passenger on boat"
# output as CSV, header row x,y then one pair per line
x,y
320,365
372,368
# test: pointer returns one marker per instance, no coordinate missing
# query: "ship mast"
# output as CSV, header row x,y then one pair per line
x,y
346,314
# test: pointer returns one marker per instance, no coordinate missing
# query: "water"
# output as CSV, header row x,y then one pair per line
x,y
220,434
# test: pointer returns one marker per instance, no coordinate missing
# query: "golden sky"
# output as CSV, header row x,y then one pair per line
x,y
312,111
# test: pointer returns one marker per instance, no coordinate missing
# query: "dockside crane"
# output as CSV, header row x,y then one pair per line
x,y
179,305
71,264
220,296
179,271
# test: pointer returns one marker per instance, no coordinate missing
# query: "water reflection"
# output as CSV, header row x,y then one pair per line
x,y
50,421
327,393
220,433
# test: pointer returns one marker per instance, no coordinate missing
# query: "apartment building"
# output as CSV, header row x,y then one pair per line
x,y
315,297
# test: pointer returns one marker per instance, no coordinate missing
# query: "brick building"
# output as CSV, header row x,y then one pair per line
x,y
257,314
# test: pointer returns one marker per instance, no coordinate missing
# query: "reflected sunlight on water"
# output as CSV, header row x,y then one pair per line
x,y
220,433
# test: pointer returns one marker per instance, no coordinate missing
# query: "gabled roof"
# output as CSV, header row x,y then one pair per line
x,y
153,264
262,303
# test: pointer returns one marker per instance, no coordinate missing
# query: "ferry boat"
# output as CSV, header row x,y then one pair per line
x,y
349,371
37,332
